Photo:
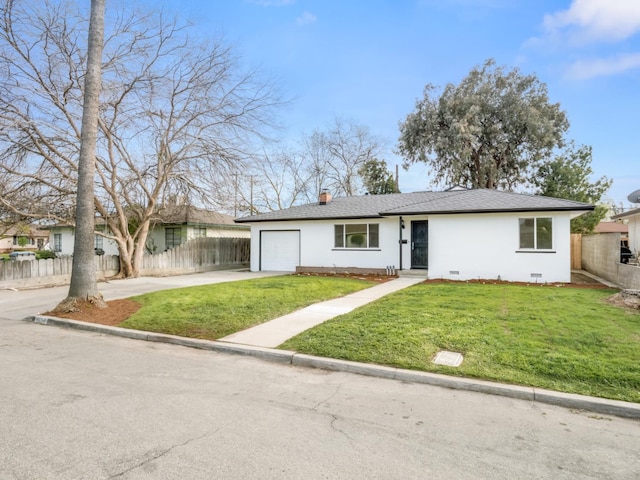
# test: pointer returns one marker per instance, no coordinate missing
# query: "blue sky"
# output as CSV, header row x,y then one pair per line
x,y
368,61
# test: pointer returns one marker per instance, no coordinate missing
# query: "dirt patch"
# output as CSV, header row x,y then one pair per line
x,y
116,312
625,300
526,284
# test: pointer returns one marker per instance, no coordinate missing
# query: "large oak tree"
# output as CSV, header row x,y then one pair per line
x,y
490,131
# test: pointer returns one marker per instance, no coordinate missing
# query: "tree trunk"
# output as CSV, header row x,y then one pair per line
x,y
139,251
84,285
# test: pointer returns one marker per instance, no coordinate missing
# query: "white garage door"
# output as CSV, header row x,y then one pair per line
x,y
280,251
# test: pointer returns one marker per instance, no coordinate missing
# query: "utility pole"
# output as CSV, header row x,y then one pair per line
x,y
235,197
251,212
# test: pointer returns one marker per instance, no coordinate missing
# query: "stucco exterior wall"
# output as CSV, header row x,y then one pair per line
x,y
634,233
317,244
67,241
486,246
6,244
475,246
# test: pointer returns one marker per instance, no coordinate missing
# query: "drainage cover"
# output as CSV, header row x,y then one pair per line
x,y
451,359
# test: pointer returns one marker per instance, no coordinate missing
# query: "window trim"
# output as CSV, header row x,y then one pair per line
x,y
367,247
535,248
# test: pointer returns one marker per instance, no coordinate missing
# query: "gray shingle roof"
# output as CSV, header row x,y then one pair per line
x,y
421,203
187,214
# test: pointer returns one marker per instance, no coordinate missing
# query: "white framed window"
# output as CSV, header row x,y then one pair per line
x,y
199,232
357,235
536,233
98,242
57,242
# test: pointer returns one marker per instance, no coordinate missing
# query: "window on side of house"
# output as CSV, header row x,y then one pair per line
x,y
536,233
57,242
172,237
359,235
199,232
98,241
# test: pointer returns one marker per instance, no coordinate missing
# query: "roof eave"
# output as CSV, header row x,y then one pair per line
x,y
341,217
630,213
511,210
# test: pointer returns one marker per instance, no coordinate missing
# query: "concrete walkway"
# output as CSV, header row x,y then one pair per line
x,y
275,332
258,341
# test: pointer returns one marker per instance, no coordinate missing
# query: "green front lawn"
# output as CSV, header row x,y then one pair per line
x,y
560,338
214,311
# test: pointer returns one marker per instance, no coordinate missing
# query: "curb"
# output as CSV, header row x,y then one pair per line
x,y
567,400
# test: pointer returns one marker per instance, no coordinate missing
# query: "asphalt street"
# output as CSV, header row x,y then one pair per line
x,y
83,405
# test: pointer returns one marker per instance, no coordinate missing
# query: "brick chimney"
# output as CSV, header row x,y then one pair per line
x,y
325,197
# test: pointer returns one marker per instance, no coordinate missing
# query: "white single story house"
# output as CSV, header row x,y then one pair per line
x,y
633,224
456,234
173,226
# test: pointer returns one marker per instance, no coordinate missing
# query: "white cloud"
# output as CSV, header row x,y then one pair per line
x,y
600,67
306,18
596,20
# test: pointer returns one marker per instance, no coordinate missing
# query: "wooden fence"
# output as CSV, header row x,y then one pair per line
x,y
576,251
198,255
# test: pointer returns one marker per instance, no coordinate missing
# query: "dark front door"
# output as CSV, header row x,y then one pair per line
x,y
419,244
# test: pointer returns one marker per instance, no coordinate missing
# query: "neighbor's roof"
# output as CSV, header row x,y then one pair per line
x,y
611,227
421,203
181,214
630,213
32,232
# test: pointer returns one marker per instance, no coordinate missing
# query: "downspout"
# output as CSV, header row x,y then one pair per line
x,y
401,226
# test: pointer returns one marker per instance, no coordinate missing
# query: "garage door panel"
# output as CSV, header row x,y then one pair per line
x,y
280,250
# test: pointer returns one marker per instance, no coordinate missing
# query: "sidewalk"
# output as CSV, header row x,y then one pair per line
x,y
260,340
277,331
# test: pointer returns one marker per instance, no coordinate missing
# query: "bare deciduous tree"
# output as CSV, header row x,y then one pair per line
x,y
338,154
330,159
176,116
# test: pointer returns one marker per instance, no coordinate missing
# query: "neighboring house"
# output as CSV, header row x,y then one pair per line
x,y
62,239
172,227
23,239
632,217
457,234
175,225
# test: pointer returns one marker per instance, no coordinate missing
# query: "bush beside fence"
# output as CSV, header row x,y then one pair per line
x,y
198,255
